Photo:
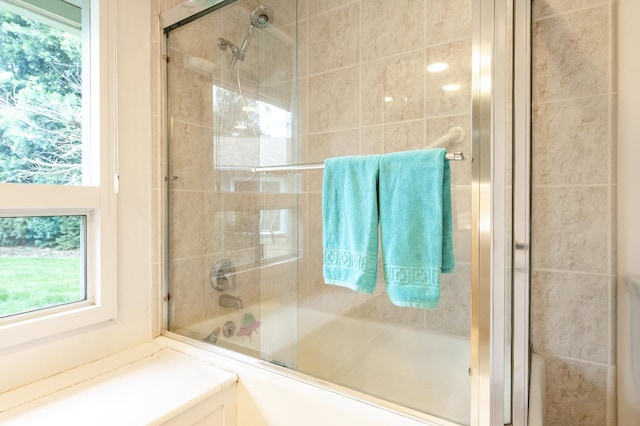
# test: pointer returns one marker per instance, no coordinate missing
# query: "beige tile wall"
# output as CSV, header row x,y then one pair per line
x,y
573,229
353,55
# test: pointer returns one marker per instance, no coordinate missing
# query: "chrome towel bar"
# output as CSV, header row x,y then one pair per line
x,y
452,156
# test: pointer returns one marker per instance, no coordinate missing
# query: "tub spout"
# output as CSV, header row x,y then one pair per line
x,y
228,301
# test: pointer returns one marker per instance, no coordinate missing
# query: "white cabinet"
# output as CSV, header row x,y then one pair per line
x,y
217,410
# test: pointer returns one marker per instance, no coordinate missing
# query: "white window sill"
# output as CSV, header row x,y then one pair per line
x,y
149,384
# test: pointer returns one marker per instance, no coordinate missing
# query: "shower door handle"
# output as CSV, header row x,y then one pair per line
x,y
522,245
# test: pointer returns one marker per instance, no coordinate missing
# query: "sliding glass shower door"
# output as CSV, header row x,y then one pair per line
x,y
233,236
252,85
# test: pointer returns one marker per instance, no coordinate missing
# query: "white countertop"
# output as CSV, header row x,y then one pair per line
x,y
148,384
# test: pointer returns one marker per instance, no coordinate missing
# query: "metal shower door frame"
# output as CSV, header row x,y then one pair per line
x,y
492,242
521,208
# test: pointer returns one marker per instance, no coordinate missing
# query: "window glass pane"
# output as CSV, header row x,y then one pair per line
x,y
40,99
41,262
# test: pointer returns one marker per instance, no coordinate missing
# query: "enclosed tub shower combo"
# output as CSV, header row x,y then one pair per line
x,y
258,97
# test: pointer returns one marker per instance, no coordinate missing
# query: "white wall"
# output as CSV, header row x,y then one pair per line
x,y
628,197
30,362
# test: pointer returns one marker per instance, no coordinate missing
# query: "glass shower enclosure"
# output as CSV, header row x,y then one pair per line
x,y
252,85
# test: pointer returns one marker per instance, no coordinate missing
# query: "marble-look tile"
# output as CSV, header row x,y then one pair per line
x,y
275,200
461,210
612,402
334,100
284,11
613,137
457,56
241,234
313,181
247,285
404,136
333,40
189,39
277,53
278,279
612,310
444,102
576,393
388,28
314,224
568,316
371,140
393,89
283,97
372,96
571,142
189,92
303,49
236,149
191,151
165,5
193,226
302,119
613,223
336,300
318,6
571,55
303,9
448,20
190,290
403,88
453,313
545,8
246,258
334,144
240,10
612,36
309,267
239,201
302,225
570,229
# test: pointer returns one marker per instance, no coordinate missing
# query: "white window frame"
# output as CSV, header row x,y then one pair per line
x,y
96,198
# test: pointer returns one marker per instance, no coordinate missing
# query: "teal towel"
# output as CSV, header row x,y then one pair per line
x,y
415,225
350,222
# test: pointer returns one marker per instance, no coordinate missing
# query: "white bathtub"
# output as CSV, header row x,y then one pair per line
x,y
425,371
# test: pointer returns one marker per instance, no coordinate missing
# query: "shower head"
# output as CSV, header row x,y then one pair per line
x,y
261,16
223,44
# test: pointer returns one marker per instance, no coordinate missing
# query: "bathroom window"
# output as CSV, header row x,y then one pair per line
x,y
57,211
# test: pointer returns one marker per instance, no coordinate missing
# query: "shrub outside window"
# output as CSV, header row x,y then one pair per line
x,y
57,206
